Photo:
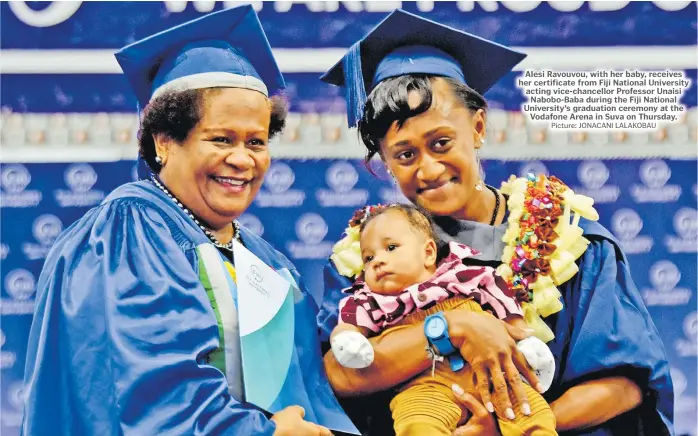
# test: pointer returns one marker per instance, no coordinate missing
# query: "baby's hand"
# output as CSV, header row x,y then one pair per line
x,y
540,358
352,349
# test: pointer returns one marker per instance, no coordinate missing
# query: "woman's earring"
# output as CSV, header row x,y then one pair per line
x,y
479,185
158,160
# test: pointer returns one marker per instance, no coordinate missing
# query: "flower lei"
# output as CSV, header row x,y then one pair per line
x,y
543,241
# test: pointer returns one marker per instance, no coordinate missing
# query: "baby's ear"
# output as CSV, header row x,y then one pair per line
x,y
430,253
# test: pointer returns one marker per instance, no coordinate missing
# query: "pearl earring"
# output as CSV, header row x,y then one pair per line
x,y
158,160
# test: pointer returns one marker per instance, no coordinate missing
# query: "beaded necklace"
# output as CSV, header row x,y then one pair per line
x,y
207,232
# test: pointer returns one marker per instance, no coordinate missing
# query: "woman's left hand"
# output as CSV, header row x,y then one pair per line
x,y
481,422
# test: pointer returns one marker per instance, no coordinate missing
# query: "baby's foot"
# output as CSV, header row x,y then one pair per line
x,y
540,358
352,350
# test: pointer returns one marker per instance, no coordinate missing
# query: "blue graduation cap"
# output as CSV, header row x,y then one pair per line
x,y
227,49
404,43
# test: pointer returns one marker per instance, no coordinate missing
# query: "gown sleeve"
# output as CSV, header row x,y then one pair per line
x,y
328,315
122,333
604,330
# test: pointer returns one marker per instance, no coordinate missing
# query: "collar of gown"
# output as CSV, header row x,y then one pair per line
x,y
484,238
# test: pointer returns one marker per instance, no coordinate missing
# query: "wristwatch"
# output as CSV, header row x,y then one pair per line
x,y
436,331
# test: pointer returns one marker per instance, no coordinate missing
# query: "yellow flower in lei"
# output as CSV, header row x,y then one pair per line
x,y
543,242
346,254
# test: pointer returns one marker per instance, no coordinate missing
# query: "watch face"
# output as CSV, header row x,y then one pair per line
x,y
436,327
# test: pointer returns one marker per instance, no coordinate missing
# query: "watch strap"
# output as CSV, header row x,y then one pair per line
x,y
443,343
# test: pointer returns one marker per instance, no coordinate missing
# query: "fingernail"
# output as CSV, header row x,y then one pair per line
x,y
510,414
526,408
457,389
529,330
489,407
539,388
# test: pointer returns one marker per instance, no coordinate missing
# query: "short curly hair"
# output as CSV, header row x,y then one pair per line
x,y
175,114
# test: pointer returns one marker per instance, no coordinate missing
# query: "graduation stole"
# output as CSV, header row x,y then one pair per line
x,y
217,275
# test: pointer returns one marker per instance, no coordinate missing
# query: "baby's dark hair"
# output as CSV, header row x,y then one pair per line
x,y
418,218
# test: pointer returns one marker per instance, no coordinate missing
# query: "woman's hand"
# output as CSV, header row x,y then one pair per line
x,y
481,422
289,422
489,346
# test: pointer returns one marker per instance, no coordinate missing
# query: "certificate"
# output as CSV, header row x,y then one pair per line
x,y
272,375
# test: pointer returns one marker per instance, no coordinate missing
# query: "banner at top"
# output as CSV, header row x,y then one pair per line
x,y
291,24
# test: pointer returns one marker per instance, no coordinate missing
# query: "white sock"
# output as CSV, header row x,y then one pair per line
x,y
352,350
540,358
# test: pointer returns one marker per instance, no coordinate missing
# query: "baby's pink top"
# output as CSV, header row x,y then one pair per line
x,y
365,308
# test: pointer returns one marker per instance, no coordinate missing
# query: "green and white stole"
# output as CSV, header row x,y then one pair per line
x,y
217,275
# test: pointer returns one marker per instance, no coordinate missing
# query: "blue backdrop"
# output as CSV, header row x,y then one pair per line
x,y
94,26
304,205
649,205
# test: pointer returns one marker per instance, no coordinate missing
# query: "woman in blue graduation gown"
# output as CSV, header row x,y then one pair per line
x,y
414,87
136,327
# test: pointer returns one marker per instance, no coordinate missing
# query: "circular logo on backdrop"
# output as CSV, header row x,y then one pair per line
x,y
279,178
593,174
251,223
15,395
690,326
679,381
80,177
20,284
626,224
55,13
311,228
341,177
47,228
15,178
654,173
686,223
534,167
664,275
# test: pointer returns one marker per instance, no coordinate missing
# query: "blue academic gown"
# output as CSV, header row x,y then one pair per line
x,y
123,328
604,329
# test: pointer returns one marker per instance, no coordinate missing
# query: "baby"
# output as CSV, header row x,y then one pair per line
x,y
404,283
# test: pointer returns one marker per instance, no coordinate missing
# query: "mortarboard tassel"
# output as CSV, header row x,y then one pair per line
x,y
354,83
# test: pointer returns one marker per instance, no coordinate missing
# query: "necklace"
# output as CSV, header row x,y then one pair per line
x,y
207,232
496,204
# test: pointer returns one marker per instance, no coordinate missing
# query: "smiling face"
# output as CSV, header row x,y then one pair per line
x,y
218,169
433,154
396,255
